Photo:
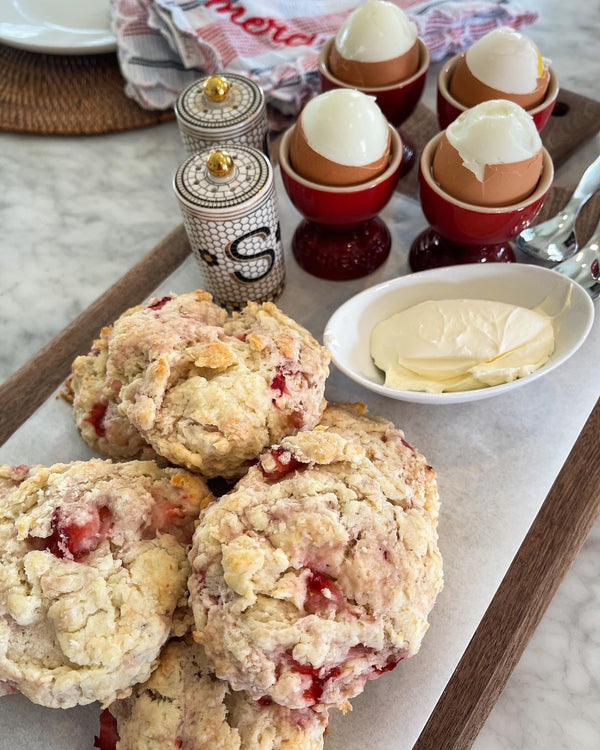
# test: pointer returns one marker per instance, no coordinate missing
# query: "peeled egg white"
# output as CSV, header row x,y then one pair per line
x,y
341,138
503,64
491,155
376,46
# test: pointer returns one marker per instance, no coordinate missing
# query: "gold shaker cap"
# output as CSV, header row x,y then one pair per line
x,y
215,183
216,88
219,164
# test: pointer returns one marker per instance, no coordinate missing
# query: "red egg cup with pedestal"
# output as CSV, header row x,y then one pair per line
x,y
465,233
341,236
449,108
397,101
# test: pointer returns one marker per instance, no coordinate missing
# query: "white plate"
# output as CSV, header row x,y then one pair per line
x,y
348,331
65,27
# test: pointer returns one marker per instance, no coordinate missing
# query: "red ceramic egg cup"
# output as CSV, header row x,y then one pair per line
x,y
341,236
464,233
449,108
397,101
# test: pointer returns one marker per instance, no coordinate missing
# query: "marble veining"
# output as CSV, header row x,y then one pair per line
x,y
552,699
76,213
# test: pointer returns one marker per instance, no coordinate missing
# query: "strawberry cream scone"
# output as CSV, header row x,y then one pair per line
x,y
183,705
318,571
93,565
95,410
204,390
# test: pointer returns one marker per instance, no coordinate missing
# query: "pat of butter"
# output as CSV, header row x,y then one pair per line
x,y
460,345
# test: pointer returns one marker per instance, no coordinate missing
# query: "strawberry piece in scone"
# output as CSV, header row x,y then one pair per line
x,y
318,571
204,390
93,569
183,705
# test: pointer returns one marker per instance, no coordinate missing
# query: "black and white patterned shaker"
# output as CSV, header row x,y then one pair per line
x,y
230,215
222,110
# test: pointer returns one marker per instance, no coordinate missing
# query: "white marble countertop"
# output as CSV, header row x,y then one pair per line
x,y
76,213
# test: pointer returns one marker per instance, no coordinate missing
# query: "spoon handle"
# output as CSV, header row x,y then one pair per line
x,y
588,184
584,266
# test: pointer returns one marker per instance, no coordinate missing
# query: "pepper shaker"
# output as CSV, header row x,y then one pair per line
x,y
220,111
230,215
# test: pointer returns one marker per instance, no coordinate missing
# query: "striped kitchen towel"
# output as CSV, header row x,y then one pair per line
x,y
163,45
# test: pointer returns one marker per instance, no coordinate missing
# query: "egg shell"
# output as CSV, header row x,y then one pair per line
x,y
470,91
503,184
374,74
315,167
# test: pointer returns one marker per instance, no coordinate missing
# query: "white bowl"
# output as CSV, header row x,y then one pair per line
x,y
348,331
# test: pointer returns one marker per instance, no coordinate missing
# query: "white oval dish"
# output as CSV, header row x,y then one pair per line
x,y
60,27
348,331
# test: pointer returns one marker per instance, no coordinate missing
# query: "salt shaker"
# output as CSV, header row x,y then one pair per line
x,y
222,110
230,215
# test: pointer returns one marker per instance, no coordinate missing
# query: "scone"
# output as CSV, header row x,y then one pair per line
x,y
184,705
318,571
93,564
95,409
204,390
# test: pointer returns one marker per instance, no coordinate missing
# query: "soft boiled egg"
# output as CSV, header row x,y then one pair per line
x,y
491,155
341,138
376,46
503,64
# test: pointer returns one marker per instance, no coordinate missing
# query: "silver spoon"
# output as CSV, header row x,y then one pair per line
x,y
584,266
554,240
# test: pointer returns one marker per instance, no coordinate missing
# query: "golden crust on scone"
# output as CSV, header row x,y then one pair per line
x,y
200,388
318,571
93,566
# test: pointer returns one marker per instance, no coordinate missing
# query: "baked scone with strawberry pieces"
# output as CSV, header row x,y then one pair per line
x,y
95,410
319,570
184,705
93,569
205,390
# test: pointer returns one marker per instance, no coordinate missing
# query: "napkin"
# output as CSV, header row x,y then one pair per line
x,y
164,45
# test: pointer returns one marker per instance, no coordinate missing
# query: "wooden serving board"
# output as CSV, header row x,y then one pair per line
x,y
542,560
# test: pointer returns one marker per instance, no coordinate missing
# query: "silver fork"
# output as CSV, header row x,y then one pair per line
x,y
584,266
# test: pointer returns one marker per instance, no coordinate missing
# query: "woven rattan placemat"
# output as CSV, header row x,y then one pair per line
x,y
67,95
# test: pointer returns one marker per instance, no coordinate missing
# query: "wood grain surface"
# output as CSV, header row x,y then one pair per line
x,y
574,120
31,385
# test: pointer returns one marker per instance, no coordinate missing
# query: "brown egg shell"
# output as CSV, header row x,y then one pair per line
x,y
503,184
374,74
467,89
315,167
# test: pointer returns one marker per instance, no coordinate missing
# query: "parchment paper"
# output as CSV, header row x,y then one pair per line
x,y
496,459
